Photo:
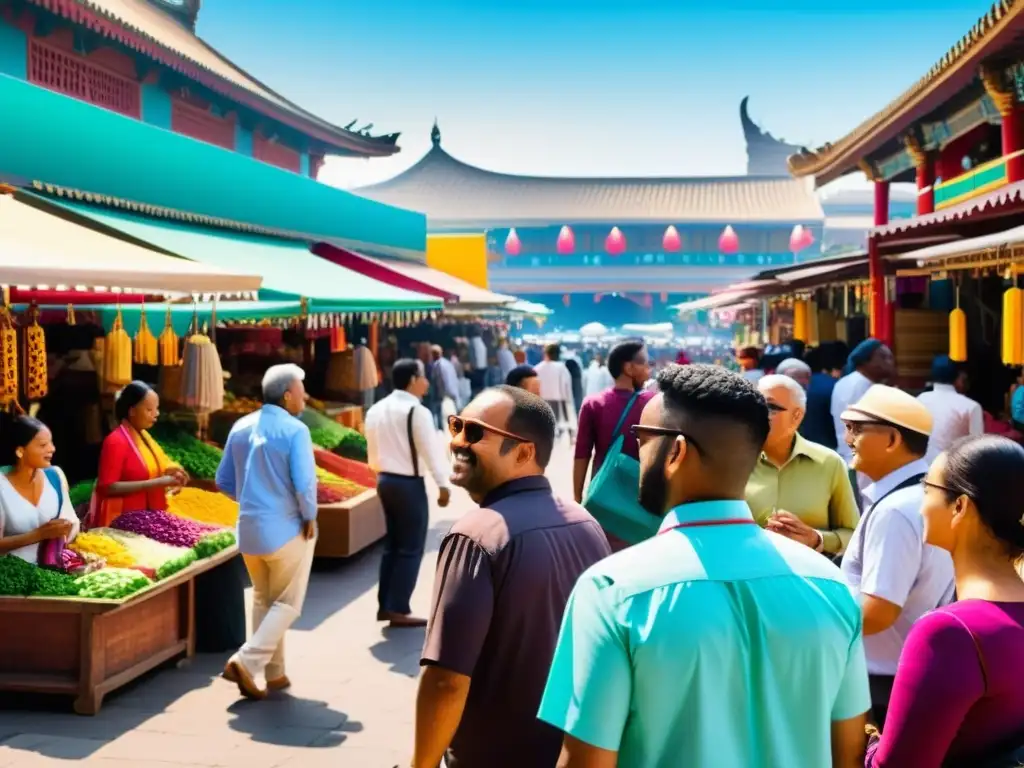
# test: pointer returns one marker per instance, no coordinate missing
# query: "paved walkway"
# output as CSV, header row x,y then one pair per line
x,y
351,705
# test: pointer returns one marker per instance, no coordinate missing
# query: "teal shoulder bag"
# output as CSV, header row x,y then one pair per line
x,y
612,497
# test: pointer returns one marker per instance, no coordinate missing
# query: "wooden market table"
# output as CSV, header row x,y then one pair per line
x,y
88,648
349,526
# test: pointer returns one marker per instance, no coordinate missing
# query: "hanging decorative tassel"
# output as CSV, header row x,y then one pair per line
x,y
71,315
146,345
8,359
169,342
117,354
37,380
1013,316
800,321
958,332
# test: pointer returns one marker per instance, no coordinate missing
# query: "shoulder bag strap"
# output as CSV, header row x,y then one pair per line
x,y
412,442
910,482
58,486
625,413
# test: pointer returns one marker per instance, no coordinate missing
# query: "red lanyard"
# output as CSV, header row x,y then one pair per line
x,y
704,523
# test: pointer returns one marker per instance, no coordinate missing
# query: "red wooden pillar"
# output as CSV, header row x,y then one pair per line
x,y
926,185
1013,143
876,272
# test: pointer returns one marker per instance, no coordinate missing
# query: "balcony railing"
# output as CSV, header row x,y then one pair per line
x,y
978,181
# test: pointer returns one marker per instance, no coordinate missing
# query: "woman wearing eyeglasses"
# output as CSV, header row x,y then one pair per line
x,y
958,697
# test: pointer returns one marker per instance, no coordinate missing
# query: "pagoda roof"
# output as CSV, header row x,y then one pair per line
x,y
146,29
455,194
958,68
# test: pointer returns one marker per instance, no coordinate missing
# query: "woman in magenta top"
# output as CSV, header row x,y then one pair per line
x,y
958,697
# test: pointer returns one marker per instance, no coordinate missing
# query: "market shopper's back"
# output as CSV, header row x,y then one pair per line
x,y
714,643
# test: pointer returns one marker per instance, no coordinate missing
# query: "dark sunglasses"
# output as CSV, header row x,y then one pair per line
x,y
473,431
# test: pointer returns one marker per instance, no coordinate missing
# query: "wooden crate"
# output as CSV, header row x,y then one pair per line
x,y
919,335
347,527
88,648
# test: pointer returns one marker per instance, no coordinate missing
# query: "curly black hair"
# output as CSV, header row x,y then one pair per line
x,y
710,391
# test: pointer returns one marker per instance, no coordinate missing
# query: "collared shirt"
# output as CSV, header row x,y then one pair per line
x,y
387,438
506,361
813,484
597,420
444,379
887,558
504,574
268,468
817,425
555,381
714,645
953,416
847,391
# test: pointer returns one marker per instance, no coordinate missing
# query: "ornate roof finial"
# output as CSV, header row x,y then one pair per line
x,y
435,134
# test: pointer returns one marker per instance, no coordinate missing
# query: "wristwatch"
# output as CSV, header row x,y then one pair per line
x,y
820,546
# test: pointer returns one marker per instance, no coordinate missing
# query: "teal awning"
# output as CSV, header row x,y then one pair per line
x,y
182,314
43,134
288,268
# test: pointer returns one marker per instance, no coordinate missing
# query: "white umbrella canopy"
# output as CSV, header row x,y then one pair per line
x,y
593,330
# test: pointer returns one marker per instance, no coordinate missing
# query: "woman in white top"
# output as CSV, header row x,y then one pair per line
x,y
29,499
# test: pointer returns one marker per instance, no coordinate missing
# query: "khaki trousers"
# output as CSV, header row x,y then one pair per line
x,y
279,582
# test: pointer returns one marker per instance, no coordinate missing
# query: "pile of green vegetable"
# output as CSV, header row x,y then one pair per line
x,y
81,493
19,578
332,436
212,543
171,567
48,583
111,584
196,457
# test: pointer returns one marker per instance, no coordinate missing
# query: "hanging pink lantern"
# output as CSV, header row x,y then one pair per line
x,y
512,245
566,242
671,241
808,237
615,243
797,238
728,241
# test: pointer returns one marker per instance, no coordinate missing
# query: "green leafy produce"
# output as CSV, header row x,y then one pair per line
x,y
81,493
16,576
49,583
171,567
328,434
196,457
111,584
353,446
213,543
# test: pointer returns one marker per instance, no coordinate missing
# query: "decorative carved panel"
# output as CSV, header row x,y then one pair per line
x,y
201,124
75,75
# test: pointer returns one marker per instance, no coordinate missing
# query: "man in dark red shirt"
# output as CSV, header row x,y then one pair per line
x,y
504,574
629,366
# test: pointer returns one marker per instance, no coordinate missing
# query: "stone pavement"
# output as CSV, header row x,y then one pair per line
x,y
351,704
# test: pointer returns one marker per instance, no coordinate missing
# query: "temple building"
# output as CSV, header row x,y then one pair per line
x,y
618,250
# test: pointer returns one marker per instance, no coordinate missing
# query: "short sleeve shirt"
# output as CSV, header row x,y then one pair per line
x,y
504,575
718,645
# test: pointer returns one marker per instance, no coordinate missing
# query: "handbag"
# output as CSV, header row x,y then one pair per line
x,y
612,495
51,551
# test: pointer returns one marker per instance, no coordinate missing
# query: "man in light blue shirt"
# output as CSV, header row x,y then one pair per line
x,y
714,643
268,468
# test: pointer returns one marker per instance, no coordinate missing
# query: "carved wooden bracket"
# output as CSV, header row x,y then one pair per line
x,y
915,150
993,77
869,170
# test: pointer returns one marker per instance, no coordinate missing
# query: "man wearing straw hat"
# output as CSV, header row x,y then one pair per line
x,y
899,577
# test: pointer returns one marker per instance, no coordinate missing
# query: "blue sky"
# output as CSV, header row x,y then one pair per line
x,y
586,87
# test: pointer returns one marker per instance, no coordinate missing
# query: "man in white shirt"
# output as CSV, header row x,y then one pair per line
x,y
556,388
400,438
478,359
870,362
954,415
506,360
596,378
444,384
899,577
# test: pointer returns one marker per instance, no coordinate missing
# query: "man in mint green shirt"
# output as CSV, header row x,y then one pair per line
x,y
715,643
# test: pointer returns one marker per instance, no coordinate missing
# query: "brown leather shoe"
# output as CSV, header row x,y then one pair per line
x,y
236,672
405,620
279,683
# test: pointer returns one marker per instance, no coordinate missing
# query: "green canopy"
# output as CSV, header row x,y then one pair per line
x,y
181,314
288,268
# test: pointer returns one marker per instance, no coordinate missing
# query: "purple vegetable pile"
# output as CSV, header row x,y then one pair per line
x,y
163,527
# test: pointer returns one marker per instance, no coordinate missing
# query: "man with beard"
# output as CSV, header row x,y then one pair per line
x,y
714,643
504,574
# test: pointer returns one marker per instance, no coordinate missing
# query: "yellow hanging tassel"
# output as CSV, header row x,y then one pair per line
x,y
37,380
169,346
145,342
958,332
800,329
1013,332
8,359
117,354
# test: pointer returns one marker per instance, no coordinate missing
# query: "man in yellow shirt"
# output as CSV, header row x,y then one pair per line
x,y
798,488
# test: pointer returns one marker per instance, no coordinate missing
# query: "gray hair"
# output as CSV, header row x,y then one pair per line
x,y
792,365
782,380
278,379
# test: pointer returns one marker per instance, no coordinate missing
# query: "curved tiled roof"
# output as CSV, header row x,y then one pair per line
x,y
952,72
453,193
148,30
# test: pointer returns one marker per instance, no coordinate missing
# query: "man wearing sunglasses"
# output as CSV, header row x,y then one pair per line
x,y
898,576
504,574
713,643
